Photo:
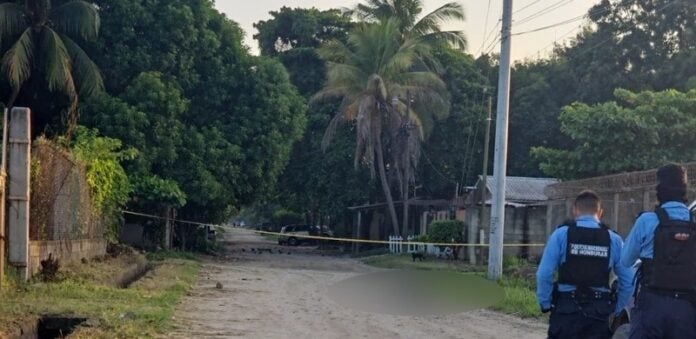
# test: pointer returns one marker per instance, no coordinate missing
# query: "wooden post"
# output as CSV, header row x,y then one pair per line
x,y
472,234
646,200
168,229
18,189
356,245
3,177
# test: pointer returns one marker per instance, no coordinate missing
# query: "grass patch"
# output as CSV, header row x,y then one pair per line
x,y
163,255
405,262
144,310
518,281
519,298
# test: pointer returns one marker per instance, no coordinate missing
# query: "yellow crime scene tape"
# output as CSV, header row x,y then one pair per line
x,y
315,237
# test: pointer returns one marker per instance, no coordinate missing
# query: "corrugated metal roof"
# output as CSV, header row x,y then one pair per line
x,y
523,189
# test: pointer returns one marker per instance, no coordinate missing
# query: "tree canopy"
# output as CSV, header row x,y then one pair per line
x,y
208,116
639,131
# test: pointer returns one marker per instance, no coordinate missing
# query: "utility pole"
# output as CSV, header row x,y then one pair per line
x,y
495,254
484,178
3,180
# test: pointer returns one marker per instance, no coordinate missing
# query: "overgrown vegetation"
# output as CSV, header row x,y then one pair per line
x,y
445,231
106,177
144,310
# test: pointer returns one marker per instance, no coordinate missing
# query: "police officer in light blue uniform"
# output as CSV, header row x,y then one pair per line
x,y
584,252
665,242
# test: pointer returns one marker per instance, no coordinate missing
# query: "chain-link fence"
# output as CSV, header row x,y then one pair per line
x,y
61,205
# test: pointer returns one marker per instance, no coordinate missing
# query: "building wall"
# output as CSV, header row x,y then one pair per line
x,y
65,251
620,208
523,225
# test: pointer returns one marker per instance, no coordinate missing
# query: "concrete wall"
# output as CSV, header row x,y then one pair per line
x,y
523,225
65,251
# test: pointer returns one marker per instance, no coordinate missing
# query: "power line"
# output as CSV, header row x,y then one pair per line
x,y
544,11
574,29
565,22
485,26
527,6
492,45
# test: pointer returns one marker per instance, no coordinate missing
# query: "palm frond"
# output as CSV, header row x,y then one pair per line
x,y
17,62
58,66
429,27
77,19
330,131
85,71
11,21
456,39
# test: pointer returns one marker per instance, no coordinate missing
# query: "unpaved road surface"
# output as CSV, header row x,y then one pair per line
x,y
285,296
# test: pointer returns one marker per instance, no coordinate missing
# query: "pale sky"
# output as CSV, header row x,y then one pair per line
x,y
529,14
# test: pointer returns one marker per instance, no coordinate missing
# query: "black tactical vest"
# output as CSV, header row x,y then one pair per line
x,y
673,266
587,257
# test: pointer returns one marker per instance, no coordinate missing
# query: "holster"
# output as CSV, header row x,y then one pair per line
x,y
554,294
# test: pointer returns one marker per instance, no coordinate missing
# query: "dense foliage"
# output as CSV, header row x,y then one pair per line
x,y
108,181
641,130
205,114
217,129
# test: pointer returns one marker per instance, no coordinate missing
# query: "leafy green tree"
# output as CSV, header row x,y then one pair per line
x,y
232,118
332,183
411,24
374,74
454,151
642,130
637,45
292,28
539,91
39,45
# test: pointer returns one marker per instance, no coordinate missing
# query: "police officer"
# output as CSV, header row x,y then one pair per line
x,y
665,242
584,252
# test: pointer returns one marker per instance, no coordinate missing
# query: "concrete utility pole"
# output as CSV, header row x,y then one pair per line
x,y
495,254
19,147
3,177
484,177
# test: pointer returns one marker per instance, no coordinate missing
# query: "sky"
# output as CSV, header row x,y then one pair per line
x,y
481,26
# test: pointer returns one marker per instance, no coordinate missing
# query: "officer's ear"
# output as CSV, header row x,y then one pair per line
x,y
600,213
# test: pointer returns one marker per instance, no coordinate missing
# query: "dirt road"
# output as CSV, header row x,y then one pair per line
x,y
285,296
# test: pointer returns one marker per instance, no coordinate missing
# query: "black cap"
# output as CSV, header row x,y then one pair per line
x,y
671,183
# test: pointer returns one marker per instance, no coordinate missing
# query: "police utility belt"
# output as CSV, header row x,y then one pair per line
x,y
584,295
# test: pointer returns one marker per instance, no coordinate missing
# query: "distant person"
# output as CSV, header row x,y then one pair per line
x,y
665,242
583,252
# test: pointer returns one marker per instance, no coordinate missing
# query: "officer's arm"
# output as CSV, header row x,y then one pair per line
x,y
549,262
632,247
623,273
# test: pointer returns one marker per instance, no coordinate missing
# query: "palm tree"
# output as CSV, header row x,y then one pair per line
x,y
427,29
39,41
373,74
411,24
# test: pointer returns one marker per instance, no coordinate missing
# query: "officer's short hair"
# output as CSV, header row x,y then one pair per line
x,y
588,201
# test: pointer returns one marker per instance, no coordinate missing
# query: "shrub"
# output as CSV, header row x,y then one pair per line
x,y
446,231
106,177
284,217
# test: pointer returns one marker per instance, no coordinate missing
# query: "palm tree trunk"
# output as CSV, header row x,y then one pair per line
x,y
385,183
404,220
